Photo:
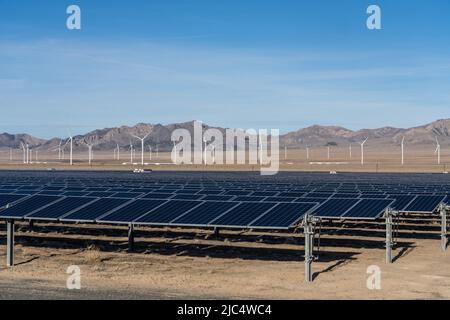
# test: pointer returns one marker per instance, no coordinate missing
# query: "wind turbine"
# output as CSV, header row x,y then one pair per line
x,y
403,151
59,149
90,152
71,147
285,152
117,152
24,150
131,152
362,151
142,146
438,151
328,152
350,150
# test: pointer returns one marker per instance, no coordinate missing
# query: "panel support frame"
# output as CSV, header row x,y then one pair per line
x,y
389,215
443,209
130,237
10,229
309,223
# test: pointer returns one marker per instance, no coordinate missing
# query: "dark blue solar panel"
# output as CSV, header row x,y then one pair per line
x,y
210,192
204,213
401,202
334,207
243,214
248,199
51,192
217,198
292,194
100,194
264,194
6,199
237,193
131,211
308,199
60,208
373,196
425,204
95,210
284,215
75,193
279,199
167,212
368,209
27,206
127,195
185,196
158,195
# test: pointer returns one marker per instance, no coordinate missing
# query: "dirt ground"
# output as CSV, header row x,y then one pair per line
x,y
194,264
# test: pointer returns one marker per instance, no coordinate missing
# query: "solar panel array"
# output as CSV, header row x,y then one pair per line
x,y
216,200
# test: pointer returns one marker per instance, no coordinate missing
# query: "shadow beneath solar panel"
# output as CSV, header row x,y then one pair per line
x,y
222,251
223,247
336,265
404,251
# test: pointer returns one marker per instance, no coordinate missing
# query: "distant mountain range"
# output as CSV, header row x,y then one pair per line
x,y
313,136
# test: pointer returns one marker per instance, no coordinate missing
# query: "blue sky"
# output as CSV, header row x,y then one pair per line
x,y
247,63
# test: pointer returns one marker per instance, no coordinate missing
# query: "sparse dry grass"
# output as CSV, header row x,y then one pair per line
x,y
92,255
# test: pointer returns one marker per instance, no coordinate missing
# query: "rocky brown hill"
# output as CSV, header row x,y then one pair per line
x,y
159,135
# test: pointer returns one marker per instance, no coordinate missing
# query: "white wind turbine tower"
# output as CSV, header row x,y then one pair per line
x,y
362,151
28,153
71,147
24,150
213,152
89,152
403,151
438,151
285,152
131,152
71,150
59,149
142,146
118,152
328,152
350,150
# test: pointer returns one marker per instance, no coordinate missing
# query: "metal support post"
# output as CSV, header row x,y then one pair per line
x,y
10,243
443,210
130,237
389,243
216,232
308,230
31,225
